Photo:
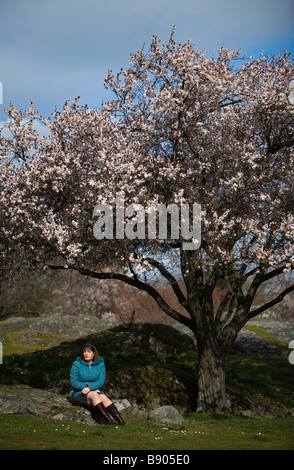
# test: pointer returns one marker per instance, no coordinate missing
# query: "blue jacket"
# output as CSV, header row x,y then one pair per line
x,y
83,374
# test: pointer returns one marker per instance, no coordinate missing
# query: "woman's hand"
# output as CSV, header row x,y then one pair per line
x,y
85,390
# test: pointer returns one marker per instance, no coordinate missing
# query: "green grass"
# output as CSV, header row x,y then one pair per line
x,y
197,432
261,378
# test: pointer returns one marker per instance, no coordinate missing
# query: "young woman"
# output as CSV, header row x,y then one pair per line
x,y
87,377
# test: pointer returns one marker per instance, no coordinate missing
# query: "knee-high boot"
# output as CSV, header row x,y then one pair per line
x,y
113,411
103,412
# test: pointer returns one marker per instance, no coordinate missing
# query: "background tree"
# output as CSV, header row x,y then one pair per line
x,y
182,128
54,292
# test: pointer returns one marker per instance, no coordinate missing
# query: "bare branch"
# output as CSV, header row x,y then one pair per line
x,y
176,288
134,283
273,302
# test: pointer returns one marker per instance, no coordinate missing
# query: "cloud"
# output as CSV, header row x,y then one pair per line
x,y
55,50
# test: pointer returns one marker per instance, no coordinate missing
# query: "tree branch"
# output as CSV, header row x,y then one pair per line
x,y
260,279
134,283
176,288
273,302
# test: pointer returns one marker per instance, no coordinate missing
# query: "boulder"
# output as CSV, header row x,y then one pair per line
x,y
148,387
22,399
166,415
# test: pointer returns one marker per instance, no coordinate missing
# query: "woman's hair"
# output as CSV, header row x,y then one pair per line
x,y
92,348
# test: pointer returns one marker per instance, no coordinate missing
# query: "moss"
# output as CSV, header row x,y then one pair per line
x,y
150,386
14,343
268,337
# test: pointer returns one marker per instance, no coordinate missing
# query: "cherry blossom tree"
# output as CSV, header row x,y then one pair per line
x,y
182,128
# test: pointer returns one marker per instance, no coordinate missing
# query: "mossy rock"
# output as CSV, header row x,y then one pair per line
x,y
149,387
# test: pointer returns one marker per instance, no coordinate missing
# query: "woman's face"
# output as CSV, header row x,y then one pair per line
x,y
88,355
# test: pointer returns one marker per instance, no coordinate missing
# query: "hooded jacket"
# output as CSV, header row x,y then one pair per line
x,y
83,374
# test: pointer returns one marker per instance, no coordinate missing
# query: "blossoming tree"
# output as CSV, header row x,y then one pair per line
x,y
182,128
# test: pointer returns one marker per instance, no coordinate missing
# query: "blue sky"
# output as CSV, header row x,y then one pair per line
x,y
54,50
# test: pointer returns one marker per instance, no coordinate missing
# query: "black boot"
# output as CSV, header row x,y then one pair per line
x,y
113,411
102,411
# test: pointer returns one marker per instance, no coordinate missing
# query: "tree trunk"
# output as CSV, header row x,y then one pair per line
x,y
211,357
211,377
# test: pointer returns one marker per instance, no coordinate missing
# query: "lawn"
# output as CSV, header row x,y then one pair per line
x,y
197,432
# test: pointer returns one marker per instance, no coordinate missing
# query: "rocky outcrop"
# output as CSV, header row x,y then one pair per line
x,y
24,399
137,389
21,399
51,330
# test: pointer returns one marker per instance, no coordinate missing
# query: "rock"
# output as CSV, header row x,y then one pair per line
x,y
147,387
273,345
251,344
166,414
51,329
22,399
153,337
76,415
256,407
122,405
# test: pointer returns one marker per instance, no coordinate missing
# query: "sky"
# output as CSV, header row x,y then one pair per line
x,y
55,50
